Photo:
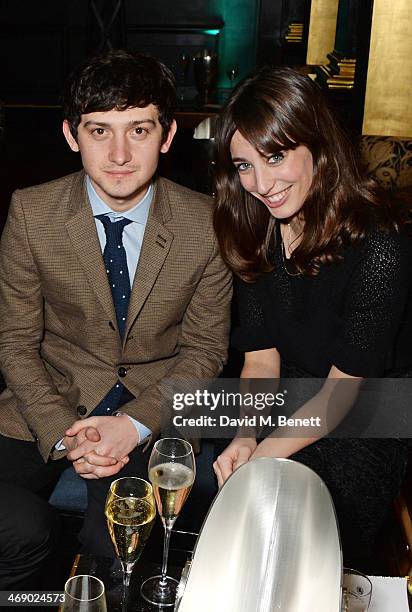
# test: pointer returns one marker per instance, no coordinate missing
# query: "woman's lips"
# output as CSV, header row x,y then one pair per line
x,y
278,199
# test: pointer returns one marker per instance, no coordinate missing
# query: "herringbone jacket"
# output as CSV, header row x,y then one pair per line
x,y
59,344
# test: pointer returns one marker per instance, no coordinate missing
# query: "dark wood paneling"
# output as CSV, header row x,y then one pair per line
x,y
32,62
167,11
363,35
275,18
41,42
352,41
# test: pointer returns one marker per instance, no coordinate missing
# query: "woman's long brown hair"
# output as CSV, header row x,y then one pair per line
x,y
280,109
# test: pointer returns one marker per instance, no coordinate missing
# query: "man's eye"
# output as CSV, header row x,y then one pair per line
x,y
140,132
99,131
276,158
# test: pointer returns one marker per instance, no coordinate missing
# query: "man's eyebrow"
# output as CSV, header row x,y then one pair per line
x,y
103,124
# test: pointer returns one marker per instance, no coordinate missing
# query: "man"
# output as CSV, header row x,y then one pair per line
x,y
110,282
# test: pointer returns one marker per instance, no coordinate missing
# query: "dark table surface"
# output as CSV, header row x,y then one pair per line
x,y
149,564
109,571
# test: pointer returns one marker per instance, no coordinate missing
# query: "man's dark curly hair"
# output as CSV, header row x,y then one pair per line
x,y
120,80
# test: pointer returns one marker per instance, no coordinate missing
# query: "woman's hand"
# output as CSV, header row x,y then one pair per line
x,y
236,454
272,447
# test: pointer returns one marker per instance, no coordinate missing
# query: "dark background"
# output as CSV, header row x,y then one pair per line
x,y
41,42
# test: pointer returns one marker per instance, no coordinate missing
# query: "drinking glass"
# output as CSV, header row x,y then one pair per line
x,y
184,63
232,73
172,472
356,591
84,594
118,487
130,512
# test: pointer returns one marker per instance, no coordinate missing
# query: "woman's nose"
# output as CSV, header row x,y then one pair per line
x,y
264,181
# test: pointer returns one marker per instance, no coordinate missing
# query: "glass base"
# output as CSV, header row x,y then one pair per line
x,y
160,595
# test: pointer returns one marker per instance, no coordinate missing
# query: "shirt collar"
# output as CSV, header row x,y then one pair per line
x,y
138,213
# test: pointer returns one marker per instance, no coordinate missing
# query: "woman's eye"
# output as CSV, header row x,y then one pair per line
x,y
276,158
242,167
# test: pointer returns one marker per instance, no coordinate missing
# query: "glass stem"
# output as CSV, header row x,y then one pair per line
x,y
345,601
127,572
166,542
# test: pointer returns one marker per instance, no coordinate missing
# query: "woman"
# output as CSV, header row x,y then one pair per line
x,y
322,268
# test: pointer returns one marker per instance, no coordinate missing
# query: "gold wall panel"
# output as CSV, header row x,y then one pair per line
x,y
388,101
322,30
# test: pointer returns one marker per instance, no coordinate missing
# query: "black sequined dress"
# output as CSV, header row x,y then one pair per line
x,y
354,315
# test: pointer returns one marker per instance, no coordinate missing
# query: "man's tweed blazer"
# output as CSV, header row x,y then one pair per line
x,y
59,344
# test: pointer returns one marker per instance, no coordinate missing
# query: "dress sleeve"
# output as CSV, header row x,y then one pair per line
x,y
374,306
250,333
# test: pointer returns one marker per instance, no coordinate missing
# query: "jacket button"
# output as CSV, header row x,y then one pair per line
x,y
122,372
81,410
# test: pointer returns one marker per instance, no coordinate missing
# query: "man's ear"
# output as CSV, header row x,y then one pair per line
x,y
172,131
72,142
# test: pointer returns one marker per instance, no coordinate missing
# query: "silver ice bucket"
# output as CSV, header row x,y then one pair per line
x,y
269,542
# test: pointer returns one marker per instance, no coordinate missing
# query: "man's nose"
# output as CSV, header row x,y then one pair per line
x,y
120,152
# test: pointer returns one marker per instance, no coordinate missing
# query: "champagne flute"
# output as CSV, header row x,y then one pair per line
x,y
172,472
117,487
84,594
130,512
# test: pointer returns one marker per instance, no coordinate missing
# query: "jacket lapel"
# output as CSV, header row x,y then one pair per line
x,y
155,248
82,231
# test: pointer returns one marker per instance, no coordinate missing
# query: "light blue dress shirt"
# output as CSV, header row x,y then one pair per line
x,y
132,242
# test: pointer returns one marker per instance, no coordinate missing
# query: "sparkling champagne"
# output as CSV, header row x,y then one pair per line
x,y
130,521
172,483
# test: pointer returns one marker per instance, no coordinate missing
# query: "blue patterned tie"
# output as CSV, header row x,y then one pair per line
x,y
114,256
115,260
